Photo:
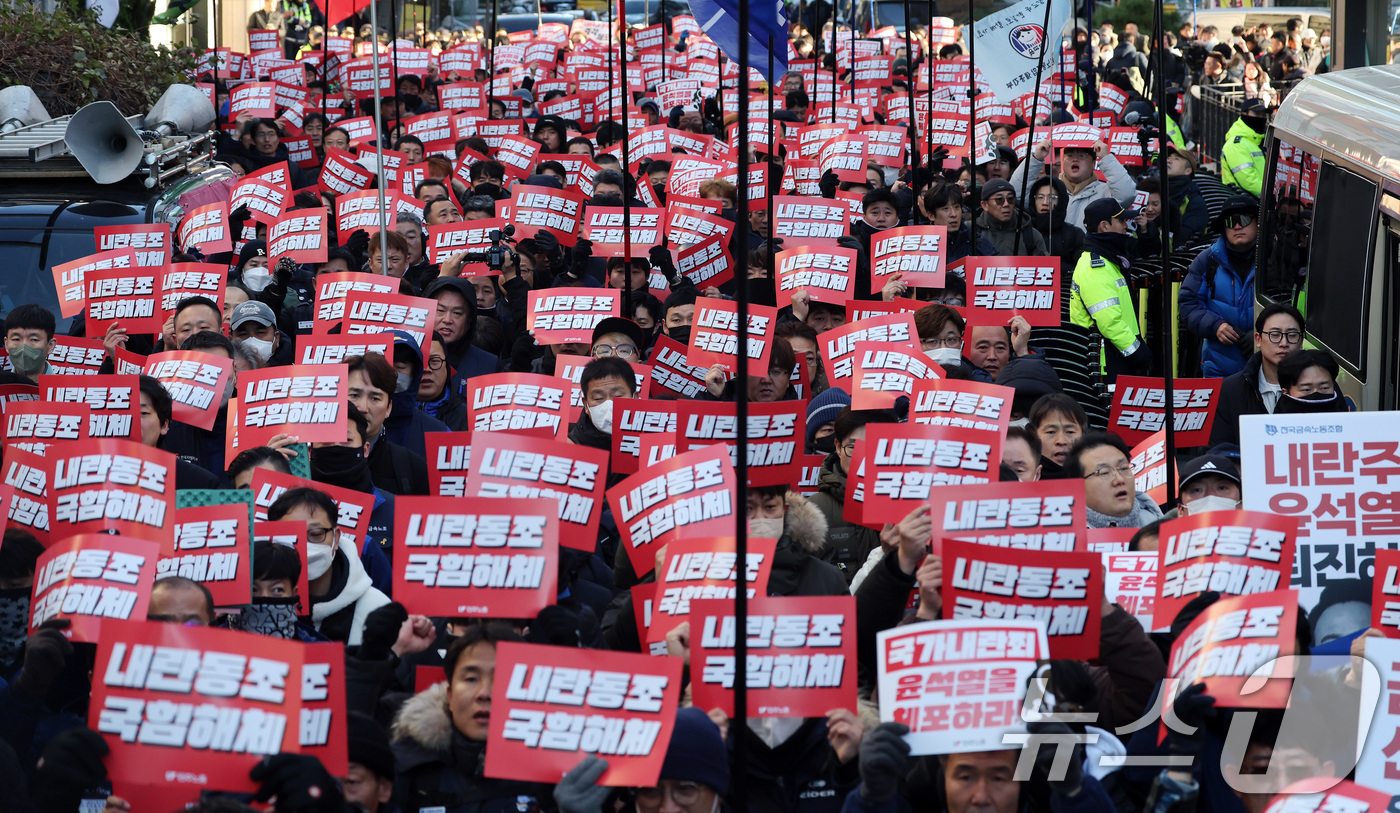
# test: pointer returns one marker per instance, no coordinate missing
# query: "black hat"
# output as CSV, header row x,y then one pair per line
x,y
251,249
1106,209
369,745
619,324
1252,107
1236,205
1209,464
995,187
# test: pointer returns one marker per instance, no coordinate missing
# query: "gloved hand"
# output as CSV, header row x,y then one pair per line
x,y
300,783
578,264
238,216
72,764
1140,360
884,760
45,654
547,242
578,791
1073,778
286,267
828,184
1192,707
357,243
556,626
382,631
661,261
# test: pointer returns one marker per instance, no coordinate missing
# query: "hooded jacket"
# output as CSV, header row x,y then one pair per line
x,y
406,422
1119,185
1002,236
467,359
1242,158
1187,199
1062,239
341,614
440,769
1216,292
396,470
847,544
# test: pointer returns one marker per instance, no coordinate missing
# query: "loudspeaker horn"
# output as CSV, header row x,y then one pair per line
x,y
19,107
104,142
181,109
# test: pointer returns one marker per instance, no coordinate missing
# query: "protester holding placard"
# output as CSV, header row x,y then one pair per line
x,y
395,469
1077,172
1008,227
1102,462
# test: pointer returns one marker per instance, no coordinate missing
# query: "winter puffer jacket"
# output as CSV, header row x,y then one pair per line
x,y
847,544
1003,236
1214,292
341,614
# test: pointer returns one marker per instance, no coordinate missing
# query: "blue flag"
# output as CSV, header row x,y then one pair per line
x,y
767,19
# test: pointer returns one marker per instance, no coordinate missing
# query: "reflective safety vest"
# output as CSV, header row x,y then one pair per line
x,y
1242,159
1100,299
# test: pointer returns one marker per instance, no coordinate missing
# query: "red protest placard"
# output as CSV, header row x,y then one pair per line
x,y
569,318
446,240
801,657
124,296
522,403
449,458
1043,515
845,157
26,493
352,507
506,466
1150,467
89,578
369,313
776,435
633,420
533,208
312,349
476,556
672,374
36,425
112,403
196,382
193,708
714,336
705,568
299,235
1140,408
360,210
1385,593
70,278
185,280
957,684
331,290
264,193
1233,553
516,154
620,706
150,241
910,460
1001,287
571,367
969,404
1063,591
291,533
916,253
212,545
306,401
884,372
1232,640
826,274
1323,794
804,221
607,229
340,174
838,344
254,98
1131,583
692,493
323,710
685,226
206,228
100,486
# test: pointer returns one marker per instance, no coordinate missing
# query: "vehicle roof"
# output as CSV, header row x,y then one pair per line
x,y
1355,113
1238,16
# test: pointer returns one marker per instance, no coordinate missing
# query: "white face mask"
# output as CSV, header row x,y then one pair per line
x,y
1021,423
767,527
774,731
946,356
402,381
602,416
256,279
1211,503
259,347
318,560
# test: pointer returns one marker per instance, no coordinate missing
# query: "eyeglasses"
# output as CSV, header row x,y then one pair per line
x,y
622,351
1238,221
1002,200
1284,337
849,447
1043,198
682,793
436,363
317,534
934,344
1106,472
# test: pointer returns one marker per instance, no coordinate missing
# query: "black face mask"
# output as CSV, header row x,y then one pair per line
x,y
826,445
1315,403
341,466
14,622
411,102
274,617
679,334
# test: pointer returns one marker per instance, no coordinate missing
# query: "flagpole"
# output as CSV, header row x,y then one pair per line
x,y
928,130
741,415
972,104
1035,109
909,75
379,142
1167,340
852,58
491,56
394,46
627,311
767,163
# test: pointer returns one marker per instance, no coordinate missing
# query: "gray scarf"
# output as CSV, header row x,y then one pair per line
x,y
1144,512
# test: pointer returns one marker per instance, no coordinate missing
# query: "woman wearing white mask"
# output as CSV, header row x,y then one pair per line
x,y
341,594
1209,483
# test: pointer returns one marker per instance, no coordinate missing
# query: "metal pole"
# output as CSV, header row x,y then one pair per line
x,y
394,35
972,85
491,56
741,414
927,129
379,144
627,311
909,74
1166,340
1035,108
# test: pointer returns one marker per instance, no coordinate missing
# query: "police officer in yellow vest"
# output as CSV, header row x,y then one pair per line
x,y
1242,159
1099,296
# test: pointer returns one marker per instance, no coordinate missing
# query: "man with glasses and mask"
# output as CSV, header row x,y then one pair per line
x,y
1217,297
1111,498
1255,390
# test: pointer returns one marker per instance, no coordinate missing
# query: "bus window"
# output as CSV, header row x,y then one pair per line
x,y
1288,213
1343,232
